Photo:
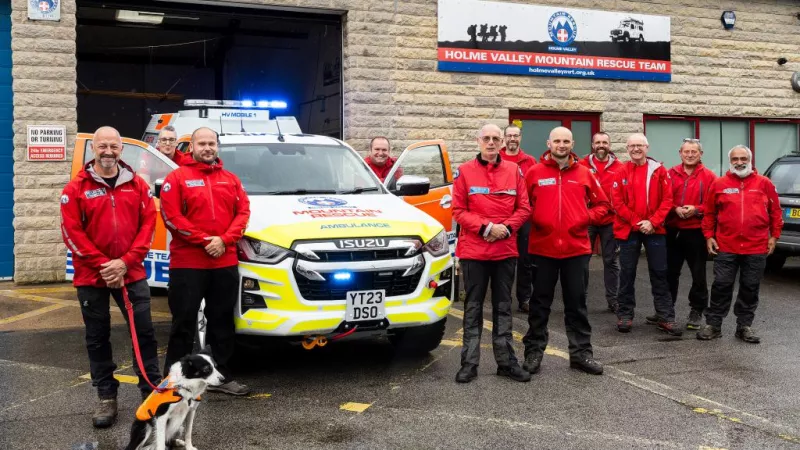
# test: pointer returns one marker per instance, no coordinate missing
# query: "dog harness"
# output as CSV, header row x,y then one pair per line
x,y
150,406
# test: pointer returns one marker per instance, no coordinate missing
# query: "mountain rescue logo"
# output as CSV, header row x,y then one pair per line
x,y
45,6
562,28
322,202
64,199
166,187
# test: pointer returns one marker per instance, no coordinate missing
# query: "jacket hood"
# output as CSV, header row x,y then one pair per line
x,y
591,158
216,165
681,170
125,175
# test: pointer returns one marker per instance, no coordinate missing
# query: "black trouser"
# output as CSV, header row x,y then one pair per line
x,y
526,270
689,246
187,288
97,319
477,276
751,270
576,321
630,250
610,250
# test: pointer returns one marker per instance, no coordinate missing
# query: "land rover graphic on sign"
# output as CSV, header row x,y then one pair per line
x,y
629,29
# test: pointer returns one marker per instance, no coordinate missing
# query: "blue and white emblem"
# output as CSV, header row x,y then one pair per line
x,y
323,202
44,6
562,28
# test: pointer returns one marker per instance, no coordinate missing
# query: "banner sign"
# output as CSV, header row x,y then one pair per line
x,y
520,39
156,266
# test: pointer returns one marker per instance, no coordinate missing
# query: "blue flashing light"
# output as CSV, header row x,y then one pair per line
x,y
342,276
247,103
278,104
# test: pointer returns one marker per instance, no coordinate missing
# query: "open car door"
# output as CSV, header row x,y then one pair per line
x,y
428,159
151,165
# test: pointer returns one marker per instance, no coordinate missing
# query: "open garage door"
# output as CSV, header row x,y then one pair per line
x,y
140,58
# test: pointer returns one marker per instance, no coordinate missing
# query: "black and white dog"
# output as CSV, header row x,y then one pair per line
x,y
166,417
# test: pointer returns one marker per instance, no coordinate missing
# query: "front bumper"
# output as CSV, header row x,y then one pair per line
x,y
287,313
789,243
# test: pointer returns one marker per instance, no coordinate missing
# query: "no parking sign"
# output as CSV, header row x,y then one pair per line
x,y
47,143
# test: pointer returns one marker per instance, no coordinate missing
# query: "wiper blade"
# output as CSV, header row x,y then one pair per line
x,y
301,192
358,191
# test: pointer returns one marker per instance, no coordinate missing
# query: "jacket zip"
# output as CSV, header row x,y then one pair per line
x,y
114,215
560,223
741,201
683,196
211,196
701,192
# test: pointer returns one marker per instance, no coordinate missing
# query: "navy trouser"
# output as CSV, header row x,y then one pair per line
x,y
689,246
477,276
97,319
526,270
655,246
751,270
576,321
187,289
610,250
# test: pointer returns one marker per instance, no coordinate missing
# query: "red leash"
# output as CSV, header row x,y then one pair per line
x,y
135,340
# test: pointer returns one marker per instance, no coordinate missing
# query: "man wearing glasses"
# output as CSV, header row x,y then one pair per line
x,y
490,203
167,144
526,271
642,198
691,181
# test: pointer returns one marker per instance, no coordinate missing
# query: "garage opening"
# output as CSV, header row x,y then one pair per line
x,y
139,58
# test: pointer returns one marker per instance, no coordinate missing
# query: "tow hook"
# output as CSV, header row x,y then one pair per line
x,y
309,342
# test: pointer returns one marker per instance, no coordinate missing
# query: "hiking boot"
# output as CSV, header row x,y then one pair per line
x,y
671,328
655,319
624,325
588,365
746,334
709,332
514,372
695,320
466,374
105,414
524,307
232,387
533,363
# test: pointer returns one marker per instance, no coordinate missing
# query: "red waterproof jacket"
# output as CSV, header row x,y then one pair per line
x,y
99,224
606,177
742,214
488,192
522,159
565,202
383,171
199,201
689,190
654,189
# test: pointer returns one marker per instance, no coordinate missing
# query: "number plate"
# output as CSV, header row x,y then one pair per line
x,y
366,305
792,213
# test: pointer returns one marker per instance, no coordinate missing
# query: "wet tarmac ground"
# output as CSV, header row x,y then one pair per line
x,y
657,391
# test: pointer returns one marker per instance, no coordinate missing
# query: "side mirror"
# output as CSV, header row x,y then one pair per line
x,y
157,187
412,185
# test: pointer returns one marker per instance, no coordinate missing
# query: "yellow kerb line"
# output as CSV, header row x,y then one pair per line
x,y
355,407
29,314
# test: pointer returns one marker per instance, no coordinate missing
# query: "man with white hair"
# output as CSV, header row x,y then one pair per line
x,y
742,223
642,198
490,203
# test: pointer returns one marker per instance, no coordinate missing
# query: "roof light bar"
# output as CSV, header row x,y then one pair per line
x,y
276,104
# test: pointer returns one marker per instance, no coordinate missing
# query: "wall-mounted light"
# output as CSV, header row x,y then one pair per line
x,y
728,19
796,81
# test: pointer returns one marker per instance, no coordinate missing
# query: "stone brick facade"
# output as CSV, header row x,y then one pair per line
x,y
391,87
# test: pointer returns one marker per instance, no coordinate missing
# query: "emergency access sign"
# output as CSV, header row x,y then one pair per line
x,y
47,143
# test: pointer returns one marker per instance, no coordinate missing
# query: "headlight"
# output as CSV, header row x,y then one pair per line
x,y
438,246
254,250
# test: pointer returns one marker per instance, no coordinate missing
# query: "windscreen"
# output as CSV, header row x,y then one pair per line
x,y
297,169
786,178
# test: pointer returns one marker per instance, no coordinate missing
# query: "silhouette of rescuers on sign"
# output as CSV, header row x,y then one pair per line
x,y
485,35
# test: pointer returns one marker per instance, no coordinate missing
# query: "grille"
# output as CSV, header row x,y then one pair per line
x,y
361,255
391,280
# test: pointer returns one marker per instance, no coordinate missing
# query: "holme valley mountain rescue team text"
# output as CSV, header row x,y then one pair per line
x,y
543,59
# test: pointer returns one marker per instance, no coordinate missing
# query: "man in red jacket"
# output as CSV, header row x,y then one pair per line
x,y
642,198
526,271
604,166
380,158
107,221
206,211
167,145
691,181
490,204
742,223
566,199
